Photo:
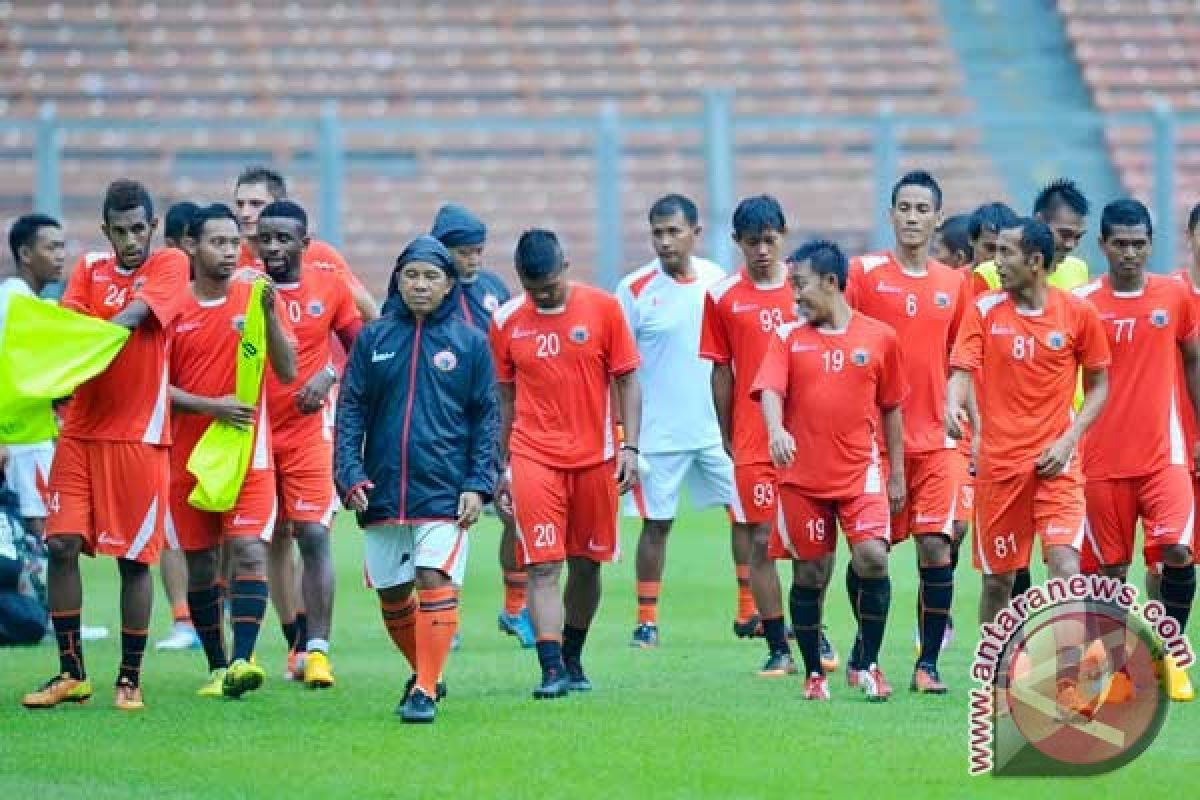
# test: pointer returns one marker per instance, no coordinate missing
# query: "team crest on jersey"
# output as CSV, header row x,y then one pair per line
x,y
860,357
941,300
1159,318
491,302
445,360
239,322
138,283
315,309
579,334
1055,340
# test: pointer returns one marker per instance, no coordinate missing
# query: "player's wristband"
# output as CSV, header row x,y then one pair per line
x,y
331,372
631,448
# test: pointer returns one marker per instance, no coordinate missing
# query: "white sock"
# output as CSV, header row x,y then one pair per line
x,y
320,645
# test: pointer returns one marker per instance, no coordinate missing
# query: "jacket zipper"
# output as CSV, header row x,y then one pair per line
x,y
466,307
412,393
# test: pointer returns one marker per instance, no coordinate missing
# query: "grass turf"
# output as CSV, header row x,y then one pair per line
x,y
687,720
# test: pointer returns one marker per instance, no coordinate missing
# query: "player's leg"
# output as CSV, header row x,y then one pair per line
x,y
247,607
711,481
655,500
281,577
389,569
172,567
933,495
866,522
1002,541
807,534
539,499
756,502
204,603
317,586
513,619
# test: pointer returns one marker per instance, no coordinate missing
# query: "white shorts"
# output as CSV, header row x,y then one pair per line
x,y
709,476
393,553
27,473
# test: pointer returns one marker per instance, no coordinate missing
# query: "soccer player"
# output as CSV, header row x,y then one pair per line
x,y
924,301
204,353
108,482
1024,346
951,243
39,254
318,305
559,349
985,225
172,564
416,453
741,313
826,385
681,440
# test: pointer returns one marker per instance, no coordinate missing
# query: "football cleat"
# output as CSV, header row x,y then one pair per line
x,y
59,689
816,687
829,655
128,697
318,674
418,708
242,676
214,686
948,634
925,680
853,677
748,628
518,625
645,636
183,637
1179,684
554,684
778,665
294,671
577,679
439,690
874,684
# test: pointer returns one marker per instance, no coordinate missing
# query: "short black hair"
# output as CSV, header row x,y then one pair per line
x,y
178,219
919,177
757,214
1036,237
1125,211
955,233
287,209
991,217
24,231
206,214
824,257
1194,218
126,195
1059,193
671,204
276,185
538,254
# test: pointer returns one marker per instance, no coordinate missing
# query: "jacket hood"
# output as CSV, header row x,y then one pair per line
x,y
429,250
455,226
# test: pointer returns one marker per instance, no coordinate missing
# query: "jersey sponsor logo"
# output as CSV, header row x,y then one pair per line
x,y
928,519
518,333
491,302
445,360
1055,340
579,334
941,300
107,538
377,356
800,347
315,308
739,308
304,505
1159,318
595,548
238,322
1002,330
883,288
328,266
1056,530
860,357
245,522
187,327
101,277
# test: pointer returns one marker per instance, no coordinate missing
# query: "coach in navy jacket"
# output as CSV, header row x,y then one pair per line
x,y
417,418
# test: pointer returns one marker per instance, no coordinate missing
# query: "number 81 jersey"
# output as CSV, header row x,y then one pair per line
x,y
561,364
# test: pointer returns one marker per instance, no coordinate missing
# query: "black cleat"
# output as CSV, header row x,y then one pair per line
x,y
645,636
749,628
418,708
554,684
577,680
440,690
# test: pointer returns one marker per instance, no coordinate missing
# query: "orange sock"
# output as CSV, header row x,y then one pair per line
x,y
181,613
437,620
515,586
647,597
745,600
400,619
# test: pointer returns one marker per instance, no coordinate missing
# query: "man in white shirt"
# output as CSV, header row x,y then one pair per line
x,y
680,439
39,252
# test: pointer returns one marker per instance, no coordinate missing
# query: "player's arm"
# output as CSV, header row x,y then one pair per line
x,y
893,437
629,395
281,351
506,394
959,401
769,387
165,276
782,443
227,409
722,393
1095,392
364,302
350,426
132,315
483,416
1190,349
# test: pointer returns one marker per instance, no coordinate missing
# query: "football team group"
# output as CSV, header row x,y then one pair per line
x,y
971,381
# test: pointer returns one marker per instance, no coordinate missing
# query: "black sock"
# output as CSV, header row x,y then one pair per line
x,y
301,631
1178,591
805,604
133,646
572,643
853,585
1021,582
550,657
70,646
248,604
955,546
289,633
205,608
775,632
936,595
874,598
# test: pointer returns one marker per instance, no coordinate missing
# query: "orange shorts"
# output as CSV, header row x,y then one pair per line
x,y
113,494
807,529
564,513
755,498
304,479
1011,512
190,529
964,507
932,495
1165,503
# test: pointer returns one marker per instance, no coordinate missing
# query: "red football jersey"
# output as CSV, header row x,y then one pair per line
x,y
1191,431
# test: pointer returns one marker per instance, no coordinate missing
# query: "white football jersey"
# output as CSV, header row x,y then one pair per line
x,y
665,317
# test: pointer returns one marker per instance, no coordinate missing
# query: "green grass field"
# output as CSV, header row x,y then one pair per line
x,y
688,720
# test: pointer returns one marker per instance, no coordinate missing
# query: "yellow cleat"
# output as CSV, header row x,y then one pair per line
x,y
214,687
59,689
128,697
242,676
1179,683
317,672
